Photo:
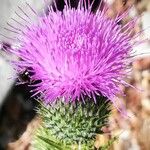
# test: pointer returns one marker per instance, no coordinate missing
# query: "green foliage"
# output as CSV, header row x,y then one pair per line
x,y
68,124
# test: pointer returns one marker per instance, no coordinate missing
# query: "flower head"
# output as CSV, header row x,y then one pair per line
x,y
76,53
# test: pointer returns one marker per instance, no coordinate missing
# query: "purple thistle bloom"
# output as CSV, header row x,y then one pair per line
x,y
76,53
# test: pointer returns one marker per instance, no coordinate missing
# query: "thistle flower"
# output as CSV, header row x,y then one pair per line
x,y
75,53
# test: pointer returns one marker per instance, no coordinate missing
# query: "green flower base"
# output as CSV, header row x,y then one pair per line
x,y
68,126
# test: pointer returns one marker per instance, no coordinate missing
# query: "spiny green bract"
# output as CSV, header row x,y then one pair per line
x,y
73,123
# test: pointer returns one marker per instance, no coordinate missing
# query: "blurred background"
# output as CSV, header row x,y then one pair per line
x,y
17,115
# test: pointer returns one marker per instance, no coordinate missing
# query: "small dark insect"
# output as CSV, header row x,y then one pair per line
x,y
24,76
